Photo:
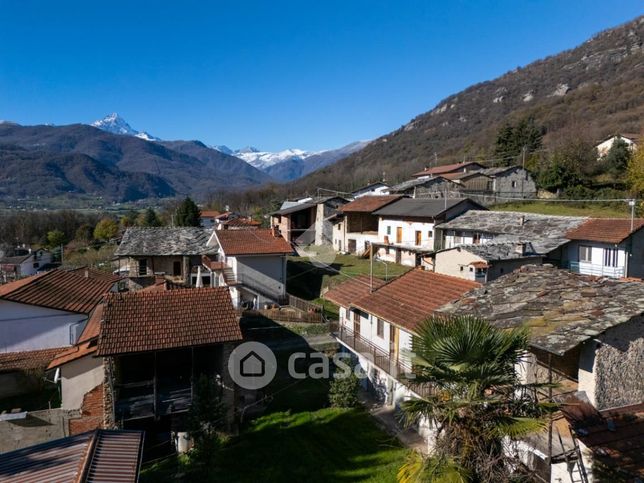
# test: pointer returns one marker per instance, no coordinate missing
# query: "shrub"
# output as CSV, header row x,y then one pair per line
x,y
343,391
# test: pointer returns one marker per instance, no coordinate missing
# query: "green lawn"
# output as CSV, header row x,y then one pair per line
x,y
597,210
339,445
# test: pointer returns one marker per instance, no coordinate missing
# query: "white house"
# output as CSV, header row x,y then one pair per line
x,y
406,226
49,310
484,262
23,262
607,247
377,321
355,227
605,145
372,189
252,263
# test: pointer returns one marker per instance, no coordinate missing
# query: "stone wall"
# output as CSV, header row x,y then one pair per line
x,y
619,365
38,427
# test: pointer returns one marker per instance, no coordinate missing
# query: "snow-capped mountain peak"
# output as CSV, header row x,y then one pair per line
x,y
264,159
117,125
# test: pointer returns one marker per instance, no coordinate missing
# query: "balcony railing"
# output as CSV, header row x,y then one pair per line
x,y
585,268
388,362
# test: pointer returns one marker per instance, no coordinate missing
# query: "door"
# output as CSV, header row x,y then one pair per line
x,y
393,342
351,246
356,322
399,234
418,238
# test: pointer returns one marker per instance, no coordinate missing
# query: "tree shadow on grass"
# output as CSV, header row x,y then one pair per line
x,y
326,445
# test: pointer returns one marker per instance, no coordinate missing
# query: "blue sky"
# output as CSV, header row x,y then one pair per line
x,y
307,74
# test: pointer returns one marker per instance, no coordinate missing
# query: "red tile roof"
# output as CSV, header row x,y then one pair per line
x,y
614,436
27,360
368,204
148,321
347,292
446,168
414,296
72,353
96,274
210,213
241,222
606,230
252,242
58,289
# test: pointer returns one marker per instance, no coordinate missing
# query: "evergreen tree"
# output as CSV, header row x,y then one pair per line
x,y
512,140
150,218
188,214
617,157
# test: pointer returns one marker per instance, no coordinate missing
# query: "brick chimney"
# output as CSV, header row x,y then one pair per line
x,y
276,231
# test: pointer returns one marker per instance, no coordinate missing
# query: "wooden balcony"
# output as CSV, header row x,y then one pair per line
x,y
391,363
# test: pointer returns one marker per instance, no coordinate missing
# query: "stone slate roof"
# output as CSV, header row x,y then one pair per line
x,y
545,232
419,207
492,172
561,309
494,251
424,182
157,320
164,241
606,230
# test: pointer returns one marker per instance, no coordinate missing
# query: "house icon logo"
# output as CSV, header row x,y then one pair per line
x,y
252,365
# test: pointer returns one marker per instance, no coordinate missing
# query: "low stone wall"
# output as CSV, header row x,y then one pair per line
x,y
37,427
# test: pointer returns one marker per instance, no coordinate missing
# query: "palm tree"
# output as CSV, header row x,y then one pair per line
x,y
478,404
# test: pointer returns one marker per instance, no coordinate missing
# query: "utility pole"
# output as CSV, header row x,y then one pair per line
x,y
523,151
370,267
631,203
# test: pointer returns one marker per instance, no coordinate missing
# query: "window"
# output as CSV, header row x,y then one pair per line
x,y
476,238
458,237
585,253
176,269
514,184
143,267
380,328
430,234
418,237
610,257
389,230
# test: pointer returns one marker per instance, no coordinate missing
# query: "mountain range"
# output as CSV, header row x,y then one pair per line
x,y
589,92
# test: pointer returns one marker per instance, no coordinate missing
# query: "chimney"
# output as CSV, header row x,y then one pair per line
x,y
520,248
521,220
276,231
86,273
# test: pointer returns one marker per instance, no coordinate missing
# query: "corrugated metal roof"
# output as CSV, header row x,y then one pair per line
x,y
95,456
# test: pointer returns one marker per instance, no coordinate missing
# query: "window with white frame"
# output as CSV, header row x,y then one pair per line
x,y
610,257
388,229
585,253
